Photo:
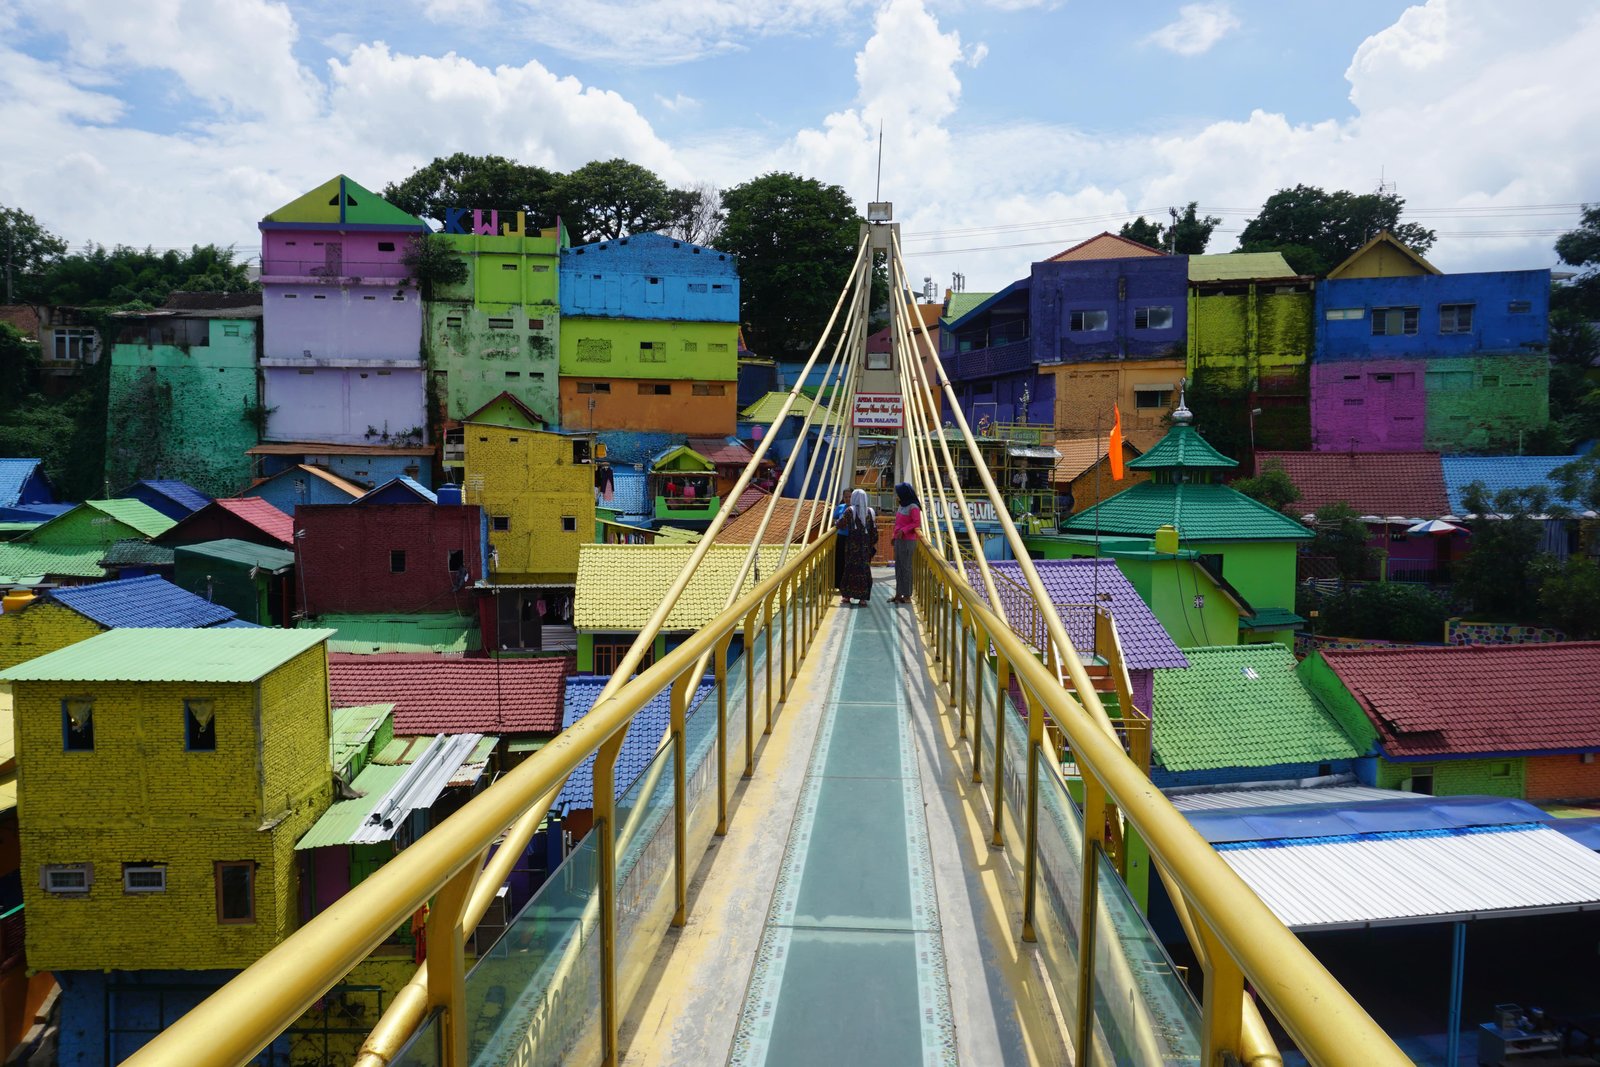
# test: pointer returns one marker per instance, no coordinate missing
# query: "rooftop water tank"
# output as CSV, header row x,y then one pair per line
x,y
448,494
15,599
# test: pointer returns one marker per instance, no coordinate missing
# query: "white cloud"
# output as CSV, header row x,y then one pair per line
x,y
1196,29
455,10
678,103
977,54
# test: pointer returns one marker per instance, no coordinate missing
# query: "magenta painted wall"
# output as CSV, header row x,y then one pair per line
x,y
338,404
1369,405
330,253
342,322
331,874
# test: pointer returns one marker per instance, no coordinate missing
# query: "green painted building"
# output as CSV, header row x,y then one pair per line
x,y
184,398
70,546
256,581
499,329
1473,400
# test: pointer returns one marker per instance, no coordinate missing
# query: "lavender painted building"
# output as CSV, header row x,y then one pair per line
x,y
342,354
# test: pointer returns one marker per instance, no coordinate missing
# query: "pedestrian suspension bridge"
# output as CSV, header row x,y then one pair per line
x,y
890,835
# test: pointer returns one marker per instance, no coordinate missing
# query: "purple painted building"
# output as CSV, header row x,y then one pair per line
x,y
1378,405
342,353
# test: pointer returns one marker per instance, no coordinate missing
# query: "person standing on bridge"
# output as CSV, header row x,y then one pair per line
x,y
858,539
907,525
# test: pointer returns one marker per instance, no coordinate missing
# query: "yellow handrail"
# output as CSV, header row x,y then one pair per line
x,y
249,1012
1242,938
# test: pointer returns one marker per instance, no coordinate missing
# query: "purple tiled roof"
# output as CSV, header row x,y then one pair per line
x,y
1145,642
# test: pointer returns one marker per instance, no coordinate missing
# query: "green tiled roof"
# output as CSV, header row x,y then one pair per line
x,y
961,303
134,553
767,407
371,634
1201,512
217,654
1272,619
134,513
1182,447
25,563
1239,266
1241,706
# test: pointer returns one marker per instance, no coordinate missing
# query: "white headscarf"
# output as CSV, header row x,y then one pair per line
x,y
858,504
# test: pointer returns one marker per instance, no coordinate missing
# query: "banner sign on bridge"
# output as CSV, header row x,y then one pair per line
x,y
879,411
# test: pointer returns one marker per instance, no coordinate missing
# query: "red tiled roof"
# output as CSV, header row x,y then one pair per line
x,y
748,499
1105,245
721,450
1478,699
1374,483
262,515
441,694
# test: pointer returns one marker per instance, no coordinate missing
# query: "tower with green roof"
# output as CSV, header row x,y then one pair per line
x,y
1247,549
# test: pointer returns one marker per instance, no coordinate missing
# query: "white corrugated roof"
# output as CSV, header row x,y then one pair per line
x,y
1415,877
1275,798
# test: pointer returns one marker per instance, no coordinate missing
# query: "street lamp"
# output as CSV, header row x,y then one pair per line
x,y
1253,413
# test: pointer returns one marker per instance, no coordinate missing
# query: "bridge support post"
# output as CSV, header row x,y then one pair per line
x,y
1030,831
1003,665
1094,833
786,620
605,815
447,963
682,686
961,701
766,628
981,641
1222,1003
721,668
750,693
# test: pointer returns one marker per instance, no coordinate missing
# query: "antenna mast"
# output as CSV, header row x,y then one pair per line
x,y
878,193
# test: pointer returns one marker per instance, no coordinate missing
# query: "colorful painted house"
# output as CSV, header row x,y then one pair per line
x,y
23,482
69,547
184,398
1561,533
1243,543
342,350
62,617
379,559
1101,324
1502,720
218,739
1082,474
366,465
1408,358
256,581
290,488
174,499
619,586
1392,492
238,518
1250,331
649,336
1240,713
683,484
498,330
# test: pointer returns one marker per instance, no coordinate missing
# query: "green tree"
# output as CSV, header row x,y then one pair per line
x,y
1498,575
487,182
604,200
1151,234
1190,234
697,214
27,250
19,368
1272,486
1386,611
432,261
1339,534
1568,593
1316,230
131,277
796,242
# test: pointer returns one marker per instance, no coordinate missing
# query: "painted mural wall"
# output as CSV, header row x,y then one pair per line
x,y
1088,310
1486,403
477,353
342,405
1509,313
699,408
650,276
637,348
1377,405
350,322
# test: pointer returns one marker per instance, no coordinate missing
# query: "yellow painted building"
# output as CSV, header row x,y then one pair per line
x,y
1384,256
537,489
164,776
39,629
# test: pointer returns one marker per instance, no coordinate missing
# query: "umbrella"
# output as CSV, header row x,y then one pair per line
x,y
1433,526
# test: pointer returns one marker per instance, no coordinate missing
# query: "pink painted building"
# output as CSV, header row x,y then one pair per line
x,y
1377,405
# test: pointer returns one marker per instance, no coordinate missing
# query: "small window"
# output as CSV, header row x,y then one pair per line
x,y
508,266
569,524
580,450
290,244
369,298
397,561
291,296
1343,314
705,389
535,324
500,523
1088,321
697,287
540,268
77,724
386,246
501,324
537,375
717,346
594,387
691,346
1500,770
1394,322
456,560
398,296
199,725
1519,307
453,321
1491,381
1421,781
230,329
1353,401
513,374
236,892
513,440
1455,318
1147,399
721,288
1152,318
71,879
655,281
1383,379
144,877
319,296
879,361
655,389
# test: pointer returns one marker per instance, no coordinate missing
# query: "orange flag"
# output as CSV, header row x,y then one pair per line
x,y
1114,445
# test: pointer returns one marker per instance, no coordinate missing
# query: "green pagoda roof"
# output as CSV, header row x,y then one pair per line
x,y
1198,510
339,201
1241,706
1183,447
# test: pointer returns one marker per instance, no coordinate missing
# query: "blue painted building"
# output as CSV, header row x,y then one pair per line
x,y
650,276
23,481
174,499
1433,316
304,484
365,465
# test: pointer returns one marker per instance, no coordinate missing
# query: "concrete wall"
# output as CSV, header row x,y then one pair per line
x,y
333,254
477,353
1086,392
1495,327
504,271
1377,405
702,351
648,276
345,564
701,409
529,478
1486,403
1564,777
332,322
1258,336
187,810
1119,287
339,405
39,629
1494,777
183,411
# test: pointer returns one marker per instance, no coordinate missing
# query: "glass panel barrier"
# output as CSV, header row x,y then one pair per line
x,y
645,844
1057,902
1144,1013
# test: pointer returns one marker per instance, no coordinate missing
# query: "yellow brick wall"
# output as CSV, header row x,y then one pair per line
x,y
529,477
1085,393
39,629
141,797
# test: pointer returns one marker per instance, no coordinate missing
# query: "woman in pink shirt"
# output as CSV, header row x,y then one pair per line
x,y
907,527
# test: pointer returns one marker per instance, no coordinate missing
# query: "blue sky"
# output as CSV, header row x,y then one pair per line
x,y
1012,127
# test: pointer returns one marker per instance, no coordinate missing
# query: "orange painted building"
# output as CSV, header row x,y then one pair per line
x,y
696,408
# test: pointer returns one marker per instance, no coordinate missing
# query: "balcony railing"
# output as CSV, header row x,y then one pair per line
x,y
347,270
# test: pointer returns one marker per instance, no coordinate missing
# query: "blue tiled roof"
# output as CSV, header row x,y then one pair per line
x,y
1497,473
638,748
631,495
142,602
399,490
179,493
14,474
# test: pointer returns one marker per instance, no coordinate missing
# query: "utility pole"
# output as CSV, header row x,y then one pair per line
x,y
1172,230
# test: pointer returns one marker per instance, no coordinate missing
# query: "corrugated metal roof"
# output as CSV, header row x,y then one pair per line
x,y
232,550
14,473
352,729
1239,266
1273,798
148,602
1418,876
1499,472
1033,452
180,493
216,654
392,794
344,817
376,634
